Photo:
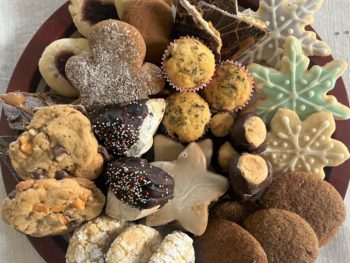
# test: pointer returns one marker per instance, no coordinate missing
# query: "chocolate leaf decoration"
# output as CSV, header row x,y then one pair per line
x,y
4,157
230,6
19,107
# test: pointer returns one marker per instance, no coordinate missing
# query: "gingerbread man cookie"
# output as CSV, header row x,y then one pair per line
x,y
115,74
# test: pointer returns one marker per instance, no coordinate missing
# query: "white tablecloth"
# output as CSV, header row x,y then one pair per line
x,y
19,20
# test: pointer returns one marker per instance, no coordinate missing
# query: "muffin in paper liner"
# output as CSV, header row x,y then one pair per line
x,y
222,91
182,77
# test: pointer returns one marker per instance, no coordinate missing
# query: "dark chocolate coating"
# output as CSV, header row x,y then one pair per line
x,y
97,11
240,185
238,136
135,182
117,127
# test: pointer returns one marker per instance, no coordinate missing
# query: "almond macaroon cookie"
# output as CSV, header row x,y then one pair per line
x,y
285,236
312,198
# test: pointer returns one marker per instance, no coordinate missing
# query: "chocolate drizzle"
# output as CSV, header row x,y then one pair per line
x,y
117,127
96,11
135,182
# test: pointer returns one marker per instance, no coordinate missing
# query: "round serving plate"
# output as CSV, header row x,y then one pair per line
x,y
26,78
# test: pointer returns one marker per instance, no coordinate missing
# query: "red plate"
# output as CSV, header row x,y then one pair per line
x,y
26,77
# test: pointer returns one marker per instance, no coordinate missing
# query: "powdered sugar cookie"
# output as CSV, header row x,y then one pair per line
x,y
136,244
175,248
295,145
53,62
90,242
285,18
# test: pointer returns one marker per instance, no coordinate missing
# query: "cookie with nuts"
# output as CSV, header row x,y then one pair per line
x,y
51,207
58,143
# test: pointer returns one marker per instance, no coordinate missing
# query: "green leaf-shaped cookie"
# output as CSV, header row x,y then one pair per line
x,y
296,88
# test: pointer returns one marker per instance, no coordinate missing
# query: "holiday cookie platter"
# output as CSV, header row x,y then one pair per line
x,y
176,131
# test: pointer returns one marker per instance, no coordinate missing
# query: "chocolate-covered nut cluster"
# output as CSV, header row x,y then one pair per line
x,y
249,134
249,174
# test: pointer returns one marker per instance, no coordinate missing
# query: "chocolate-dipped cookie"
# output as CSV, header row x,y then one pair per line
x,y
249,174
249,134
128,130
136,188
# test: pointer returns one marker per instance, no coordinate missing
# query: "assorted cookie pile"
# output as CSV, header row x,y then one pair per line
x,y
180,131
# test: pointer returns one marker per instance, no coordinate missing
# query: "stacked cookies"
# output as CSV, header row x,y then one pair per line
x,y
198,154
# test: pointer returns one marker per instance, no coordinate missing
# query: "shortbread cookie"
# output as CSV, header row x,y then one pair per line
x,y
53,62
315,200
52,207
285,236
195,189
295,145
128,130
175,248
59,143
87,13
115,74
227,242
295,87
136,244
166,149
154,19
90,242
136,188
285,18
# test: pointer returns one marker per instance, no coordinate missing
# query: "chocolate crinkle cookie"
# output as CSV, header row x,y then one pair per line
x,y
50,207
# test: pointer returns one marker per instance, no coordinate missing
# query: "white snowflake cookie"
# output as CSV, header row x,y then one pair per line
x,y
295,145
285,18
90,242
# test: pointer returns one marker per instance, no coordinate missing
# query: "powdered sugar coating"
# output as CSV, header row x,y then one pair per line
x,y
91,241
115,73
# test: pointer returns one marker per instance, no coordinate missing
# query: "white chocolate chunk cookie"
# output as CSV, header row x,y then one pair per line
x,y
51,207
175,248
59,143
135,245
90,242
295,145
53,61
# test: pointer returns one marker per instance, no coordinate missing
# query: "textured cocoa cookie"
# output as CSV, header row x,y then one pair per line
x,y
115,73
284,236
59,143
227,242
136,244
91,241
315,200
233,211
51,207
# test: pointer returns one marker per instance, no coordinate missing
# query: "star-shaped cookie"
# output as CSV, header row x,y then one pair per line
x,y
295,87
295,145
285,18
195,189
115,73
166,149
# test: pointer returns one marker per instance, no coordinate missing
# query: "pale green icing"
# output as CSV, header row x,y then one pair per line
x,y
296,88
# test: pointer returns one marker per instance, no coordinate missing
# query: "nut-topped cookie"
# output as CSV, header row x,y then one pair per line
x,y
58,143
52,207
116,73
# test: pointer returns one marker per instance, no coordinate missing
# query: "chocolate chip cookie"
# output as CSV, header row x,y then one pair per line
x,y
58,143
51,207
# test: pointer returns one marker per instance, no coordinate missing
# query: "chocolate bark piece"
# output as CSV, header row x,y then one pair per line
x,y
249,134
249,174
237,33
137,183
